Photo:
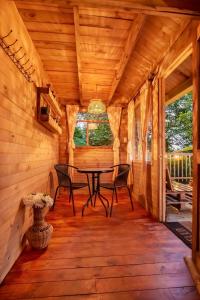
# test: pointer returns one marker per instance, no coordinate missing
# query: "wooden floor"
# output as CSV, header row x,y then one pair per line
x,y
128,256
183,216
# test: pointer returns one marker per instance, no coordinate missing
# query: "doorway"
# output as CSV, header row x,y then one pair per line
x,y
178,151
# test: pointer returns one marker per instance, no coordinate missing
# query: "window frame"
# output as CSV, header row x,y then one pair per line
x,y
87,135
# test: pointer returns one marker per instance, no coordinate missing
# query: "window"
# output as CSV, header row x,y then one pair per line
x,y
92,130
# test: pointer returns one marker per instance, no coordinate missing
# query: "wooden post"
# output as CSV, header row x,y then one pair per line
x,y
161,148
147,102
196,148
194,262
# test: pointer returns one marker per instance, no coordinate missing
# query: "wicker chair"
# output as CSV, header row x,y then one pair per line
x,y
120,181
65,181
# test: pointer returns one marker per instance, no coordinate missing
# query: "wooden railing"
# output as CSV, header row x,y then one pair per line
x,y
180,166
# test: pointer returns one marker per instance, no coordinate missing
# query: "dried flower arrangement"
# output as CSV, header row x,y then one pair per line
x,y
38,200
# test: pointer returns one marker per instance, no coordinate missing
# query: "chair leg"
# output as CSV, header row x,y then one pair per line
x,y
116,196
54,201
111,207
130,196
72,197
95,199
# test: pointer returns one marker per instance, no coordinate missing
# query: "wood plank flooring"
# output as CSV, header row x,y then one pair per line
x,y
128,256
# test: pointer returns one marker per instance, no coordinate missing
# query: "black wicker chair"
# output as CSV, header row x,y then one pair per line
x,y
65,181
120,181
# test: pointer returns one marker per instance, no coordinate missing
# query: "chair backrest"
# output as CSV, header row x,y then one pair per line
x,y
62,171
122,176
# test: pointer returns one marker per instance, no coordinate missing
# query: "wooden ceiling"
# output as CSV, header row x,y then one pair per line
x,y
179,82
102,49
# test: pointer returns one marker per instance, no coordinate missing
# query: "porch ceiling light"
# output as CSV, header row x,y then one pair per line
x,y
96,106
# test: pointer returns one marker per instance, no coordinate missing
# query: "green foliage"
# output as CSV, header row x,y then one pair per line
x,y
101,136
80,136
179,124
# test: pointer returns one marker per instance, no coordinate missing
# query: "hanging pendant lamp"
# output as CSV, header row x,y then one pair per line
x,y
96,106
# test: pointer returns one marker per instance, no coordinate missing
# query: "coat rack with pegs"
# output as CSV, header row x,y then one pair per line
x,y
18,57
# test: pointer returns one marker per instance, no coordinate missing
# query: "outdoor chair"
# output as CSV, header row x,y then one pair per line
x,y
64,180
177,194
120,181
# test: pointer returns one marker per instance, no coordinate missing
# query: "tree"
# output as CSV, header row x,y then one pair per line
x,y
179,124
99,135
80,136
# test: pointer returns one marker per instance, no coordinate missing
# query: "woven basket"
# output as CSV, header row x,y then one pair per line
x,y
40,232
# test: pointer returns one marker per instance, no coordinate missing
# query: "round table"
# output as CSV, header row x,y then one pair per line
x,y
96,172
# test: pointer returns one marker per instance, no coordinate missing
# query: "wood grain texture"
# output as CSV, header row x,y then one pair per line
x,y
149,53
86,258
151,7
93,157
93,40
27,150
196,144
131,41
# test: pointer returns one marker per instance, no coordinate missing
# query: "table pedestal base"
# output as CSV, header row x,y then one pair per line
x,y
96,194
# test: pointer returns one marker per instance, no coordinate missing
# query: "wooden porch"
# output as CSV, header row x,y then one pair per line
x,y
128,256
57,58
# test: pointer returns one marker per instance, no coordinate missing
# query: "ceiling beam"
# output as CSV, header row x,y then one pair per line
x,y
176,44
179,91
78,51
129,46
162,8
174,8
181,50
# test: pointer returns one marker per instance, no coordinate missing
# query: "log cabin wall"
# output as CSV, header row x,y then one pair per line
x,y
92,157
28,150
123,135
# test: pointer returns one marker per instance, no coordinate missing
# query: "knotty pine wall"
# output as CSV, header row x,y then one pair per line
x,y
101,157
28,151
